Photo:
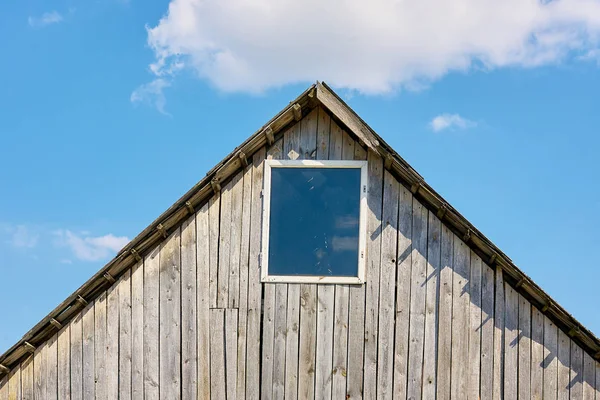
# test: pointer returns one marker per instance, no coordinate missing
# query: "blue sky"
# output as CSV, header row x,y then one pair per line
x,y
108,114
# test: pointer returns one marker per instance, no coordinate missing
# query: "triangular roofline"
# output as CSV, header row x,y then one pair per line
x,y
318,94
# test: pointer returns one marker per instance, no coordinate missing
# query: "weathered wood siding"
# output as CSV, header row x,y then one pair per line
x,y
193,321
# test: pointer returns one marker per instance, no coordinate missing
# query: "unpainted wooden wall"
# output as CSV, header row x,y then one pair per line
x,y
193,321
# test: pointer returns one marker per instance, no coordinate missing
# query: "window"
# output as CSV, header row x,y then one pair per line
x,y
314,221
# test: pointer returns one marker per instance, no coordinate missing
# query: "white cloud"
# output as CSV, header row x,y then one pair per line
x,y
23,237
45,19
592,55
152,94
372,46
90,248
450,121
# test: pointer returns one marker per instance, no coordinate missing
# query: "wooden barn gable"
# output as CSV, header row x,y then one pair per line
x,y
181,311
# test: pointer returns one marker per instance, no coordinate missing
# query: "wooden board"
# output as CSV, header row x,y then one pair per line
x,y
550,364
268,336
203,260
511,349
63,363
76,359
474,357
51,370
231,333
291,345
151,296
14,384
499,336
279,340
487,332
189,317
235,240
460,320
524,348
125,339
39,369
589,377
217,354
445,314
27,378
576,392
340,342
308,328
112,342
137,331
254,285
88,351
387,287
214,209
225,244
537,353
373,265
170,317
564,361
324,366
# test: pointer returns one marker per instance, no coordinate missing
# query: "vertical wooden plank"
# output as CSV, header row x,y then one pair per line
x,y
112,342
373,265
14,383
576,372
214,209
4,388
235,239
137,331
511,350
39,369
279,340
64,364
308,136
475,328
487,333
499,336
340,342
537,353
51,367
243,306
125,354
76,361
460,320
524,348
444,383
254,286
589,377
100,347
189,318
550,363
224,246
430,356
203,270
323,136
231,332
151,296
88,351
291,346
170,317
27,378
387,287
597,380
356,319
564,362
324,367
308,326
217,354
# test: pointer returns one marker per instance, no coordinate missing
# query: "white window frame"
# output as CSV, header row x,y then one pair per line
x,y
266,215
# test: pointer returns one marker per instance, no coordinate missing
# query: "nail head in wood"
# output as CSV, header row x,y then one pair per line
x,y
56,324
216,185
297,108
135,255
243,159
82,301
29,347
269,135
109,278
441,211
161,229
4,370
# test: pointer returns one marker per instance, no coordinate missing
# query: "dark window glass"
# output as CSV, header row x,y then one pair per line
x,y
314,221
